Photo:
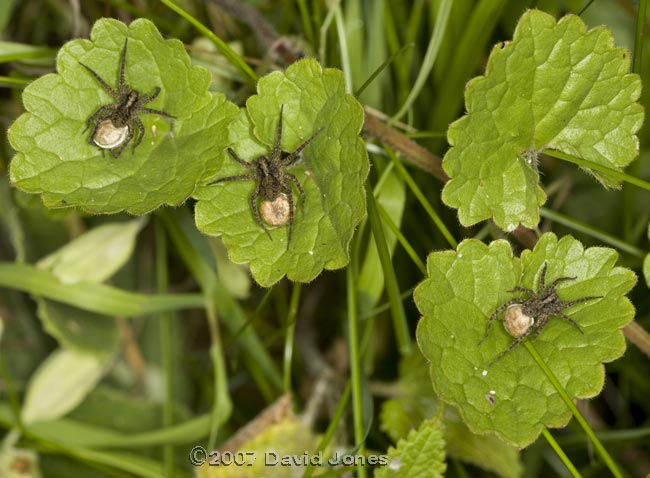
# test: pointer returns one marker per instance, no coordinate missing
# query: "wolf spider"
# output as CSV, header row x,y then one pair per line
x,y
273,181
114,124
525,316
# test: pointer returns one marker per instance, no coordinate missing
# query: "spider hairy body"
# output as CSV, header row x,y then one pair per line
x,y
274,182
115,125
526,316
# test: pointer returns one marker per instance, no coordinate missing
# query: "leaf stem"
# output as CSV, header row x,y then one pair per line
x,y
291,333
560,453
385,217
355,366
423,200
591,231
381,68
166,325
637,62
429,58
598,167
600,449
222,46
400,324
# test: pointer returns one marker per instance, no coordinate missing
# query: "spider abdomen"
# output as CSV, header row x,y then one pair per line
x,y
108,135
516,321
276,212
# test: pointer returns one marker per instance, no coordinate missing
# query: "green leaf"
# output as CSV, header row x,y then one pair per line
x,y
421,454
555,85
78,329
60,384
95,255
19,463
54,155
512,398
332,174
414,401
90,296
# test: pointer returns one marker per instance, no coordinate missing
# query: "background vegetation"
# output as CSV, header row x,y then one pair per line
x,y
173,345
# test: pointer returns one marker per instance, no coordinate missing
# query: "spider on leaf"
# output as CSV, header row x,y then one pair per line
x,y
273,183
524,316
114,125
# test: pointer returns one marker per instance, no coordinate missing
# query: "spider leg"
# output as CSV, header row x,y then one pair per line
x,y
277,146
509,349
495,314
123,65
101,81
542,278
103,112
522,289
156,112
256,213
287,191
559,280
570,320
582,299
295,181
291,159
245,164
241,177
116,152
148,98
518,340
138,123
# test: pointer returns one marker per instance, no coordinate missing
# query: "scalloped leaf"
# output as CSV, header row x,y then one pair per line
x,y
414,401
55,158
332,173
555,85
421,454
513,397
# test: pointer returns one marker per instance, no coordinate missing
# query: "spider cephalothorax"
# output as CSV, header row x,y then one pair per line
x,y
273,183
524,316
113,126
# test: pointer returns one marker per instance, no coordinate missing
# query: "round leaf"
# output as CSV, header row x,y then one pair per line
x,y
55,156
332,174
513,398
555,85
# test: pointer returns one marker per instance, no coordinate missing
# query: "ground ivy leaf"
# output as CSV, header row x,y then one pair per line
x,y
513,398
53,154
332,173
421,454
555,85
414,401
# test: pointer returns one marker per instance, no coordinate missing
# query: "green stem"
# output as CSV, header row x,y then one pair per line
x,y
12,82
385,217
355,367
222,46
637,62
291,333
560,453
600,449
166,345
429,58
331,428
421,198
400,324
591,231
598,167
